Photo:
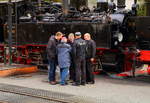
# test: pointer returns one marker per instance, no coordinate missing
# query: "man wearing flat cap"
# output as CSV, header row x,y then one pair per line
x,y
79,52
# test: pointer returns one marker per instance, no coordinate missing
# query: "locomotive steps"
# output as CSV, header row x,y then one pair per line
x,y
16,69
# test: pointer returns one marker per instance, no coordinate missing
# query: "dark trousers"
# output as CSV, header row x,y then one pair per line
x,y
72,71
80,72
52,70
89,71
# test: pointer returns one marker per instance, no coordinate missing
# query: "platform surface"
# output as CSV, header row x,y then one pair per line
x,y
106,89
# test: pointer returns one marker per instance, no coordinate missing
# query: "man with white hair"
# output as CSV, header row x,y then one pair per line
x,y
90,55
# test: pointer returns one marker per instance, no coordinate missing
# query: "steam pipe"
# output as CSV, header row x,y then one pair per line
x,y
10,30
65,7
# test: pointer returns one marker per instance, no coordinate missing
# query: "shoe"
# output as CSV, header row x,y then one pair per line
x,y
70,81
83,83
91,82
63,84
76,84
53,82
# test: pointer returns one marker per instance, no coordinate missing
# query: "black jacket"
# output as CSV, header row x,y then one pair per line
x,y
90,48
79,49
51,48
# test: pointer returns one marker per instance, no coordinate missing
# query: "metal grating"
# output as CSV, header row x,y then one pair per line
x,y
15,98
34,92
84,99
17,94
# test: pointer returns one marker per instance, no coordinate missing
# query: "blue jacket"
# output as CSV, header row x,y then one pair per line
x,y
64,57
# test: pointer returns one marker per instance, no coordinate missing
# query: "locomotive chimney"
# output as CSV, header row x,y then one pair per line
x,y
121,4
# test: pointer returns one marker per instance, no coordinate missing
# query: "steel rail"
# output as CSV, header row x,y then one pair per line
x,y
36,96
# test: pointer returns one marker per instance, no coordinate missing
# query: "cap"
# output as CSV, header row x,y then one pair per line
x,y
77,33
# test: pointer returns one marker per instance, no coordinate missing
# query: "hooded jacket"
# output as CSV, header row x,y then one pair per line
x,y
64,55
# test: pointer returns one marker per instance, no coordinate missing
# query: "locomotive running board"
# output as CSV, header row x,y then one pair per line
x,y
16,69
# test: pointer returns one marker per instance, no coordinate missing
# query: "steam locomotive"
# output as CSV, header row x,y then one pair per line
x,y
118,33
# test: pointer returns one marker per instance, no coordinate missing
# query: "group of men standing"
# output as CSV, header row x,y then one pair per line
x,y
74,56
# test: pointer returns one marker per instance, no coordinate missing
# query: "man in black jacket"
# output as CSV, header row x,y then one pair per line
x,y
90,55
79,52
52,56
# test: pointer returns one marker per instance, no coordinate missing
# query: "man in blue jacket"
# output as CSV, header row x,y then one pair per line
x,y
64,59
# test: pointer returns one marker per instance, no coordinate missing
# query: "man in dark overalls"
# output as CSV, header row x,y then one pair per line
x,y
90,55
79,52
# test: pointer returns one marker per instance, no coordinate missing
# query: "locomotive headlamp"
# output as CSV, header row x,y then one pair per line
x,y
120,37
117,37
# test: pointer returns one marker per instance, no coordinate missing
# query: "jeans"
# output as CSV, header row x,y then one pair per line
x,y
52,70
63,74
